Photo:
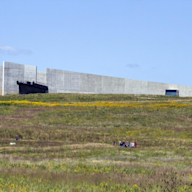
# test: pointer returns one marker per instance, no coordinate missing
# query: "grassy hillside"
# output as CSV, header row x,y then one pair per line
x,y
65,143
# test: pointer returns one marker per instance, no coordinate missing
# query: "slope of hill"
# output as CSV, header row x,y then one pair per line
x,y
65,143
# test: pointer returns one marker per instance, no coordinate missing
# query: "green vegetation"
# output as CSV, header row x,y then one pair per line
x,y
69,148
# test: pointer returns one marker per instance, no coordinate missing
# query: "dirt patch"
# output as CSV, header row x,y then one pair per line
x,y
19,127
79,146
14,117
29,111
51,145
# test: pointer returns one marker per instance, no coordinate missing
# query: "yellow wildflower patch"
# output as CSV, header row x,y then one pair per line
x,y
102,104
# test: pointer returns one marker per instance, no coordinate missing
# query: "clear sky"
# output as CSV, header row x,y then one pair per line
x,y
136,39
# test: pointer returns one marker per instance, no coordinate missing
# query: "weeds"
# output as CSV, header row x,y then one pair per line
x,y
65,143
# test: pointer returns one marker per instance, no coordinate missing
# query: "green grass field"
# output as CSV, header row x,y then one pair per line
x,y
68,147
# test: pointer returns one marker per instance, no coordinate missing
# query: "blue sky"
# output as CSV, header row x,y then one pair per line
x,y
136,39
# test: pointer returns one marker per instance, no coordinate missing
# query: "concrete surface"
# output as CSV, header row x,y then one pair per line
x,y
41,77
1,76
61,81
13,72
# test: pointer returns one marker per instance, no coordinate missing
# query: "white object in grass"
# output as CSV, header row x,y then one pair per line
x,y
12,143
132,144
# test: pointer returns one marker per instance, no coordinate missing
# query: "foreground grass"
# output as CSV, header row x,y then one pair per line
x,y
68,146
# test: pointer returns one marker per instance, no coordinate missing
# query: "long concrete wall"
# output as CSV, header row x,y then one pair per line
x,y
13,72
153,88
60,81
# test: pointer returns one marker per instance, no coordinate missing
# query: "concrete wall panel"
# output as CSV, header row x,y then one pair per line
x,y
84,83
107,84
113,85
135,86
98,81
1,78
119,86
90,83
71,81
30,73
185,91
59,79
51,80
155,88
41,77
12,73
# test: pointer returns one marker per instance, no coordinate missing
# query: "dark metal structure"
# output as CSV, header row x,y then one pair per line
x,y
31,87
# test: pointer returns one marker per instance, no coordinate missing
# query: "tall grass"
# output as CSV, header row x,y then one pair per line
x,y
68,146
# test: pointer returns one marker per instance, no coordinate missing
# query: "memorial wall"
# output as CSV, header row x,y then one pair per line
x,y
1,76
61,81
13,72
